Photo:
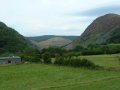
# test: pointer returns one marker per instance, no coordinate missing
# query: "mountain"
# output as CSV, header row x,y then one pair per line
x,y
47,41
53,42
11,41
46,37
104,29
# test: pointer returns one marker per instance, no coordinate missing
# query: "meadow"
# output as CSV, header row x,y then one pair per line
x,y
50,77
110,60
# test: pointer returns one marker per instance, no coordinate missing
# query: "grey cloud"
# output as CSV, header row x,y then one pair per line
x,y
99,11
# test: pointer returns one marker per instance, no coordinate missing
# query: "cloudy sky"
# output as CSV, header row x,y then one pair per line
x,y
54,17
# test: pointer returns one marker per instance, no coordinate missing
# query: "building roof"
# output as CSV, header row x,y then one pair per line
x,y
9,57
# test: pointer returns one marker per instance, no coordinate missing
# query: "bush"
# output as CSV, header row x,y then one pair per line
x,y
30,55
74,62
87,63
46,58
59,60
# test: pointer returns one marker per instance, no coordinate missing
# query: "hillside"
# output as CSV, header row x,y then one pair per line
x,y
46,37
53,42
105,29
11,41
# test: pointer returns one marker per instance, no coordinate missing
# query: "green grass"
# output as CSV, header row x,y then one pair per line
x,y
104,60
50,77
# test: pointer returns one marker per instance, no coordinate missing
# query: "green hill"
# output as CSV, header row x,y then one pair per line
x,y
46,37
53,42
47,41
11,41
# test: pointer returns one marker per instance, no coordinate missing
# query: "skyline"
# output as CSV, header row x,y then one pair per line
x,y
54,17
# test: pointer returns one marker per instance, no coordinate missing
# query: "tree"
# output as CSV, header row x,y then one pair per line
x,y
46,58
31,55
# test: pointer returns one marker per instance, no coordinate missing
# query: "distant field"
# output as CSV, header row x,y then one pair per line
x,y
104,60
50,77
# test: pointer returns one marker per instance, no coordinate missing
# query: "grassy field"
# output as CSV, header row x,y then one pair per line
x,y
104,60
50,77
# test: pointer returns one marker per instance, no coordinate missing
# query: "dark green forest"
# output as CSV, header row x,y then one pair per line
x,y
11,41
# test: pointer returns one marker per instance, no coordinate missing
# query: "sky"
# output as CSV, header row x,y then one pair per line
x,y
54,17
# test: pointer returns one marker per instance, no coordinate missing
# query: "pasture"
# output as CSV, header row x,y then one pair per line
x,y
104,60
50,77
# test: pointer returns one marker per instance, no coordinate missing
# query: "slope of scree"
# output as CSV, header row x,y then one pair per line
x,y
104,29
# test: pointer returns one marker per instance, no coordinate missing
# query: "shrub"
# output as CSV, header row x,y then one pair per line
x,y
74,62
46,58
30,55
59,61
87,63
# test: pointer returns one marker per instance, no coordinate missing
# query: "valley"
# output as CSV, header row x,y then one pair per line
x,y
87,62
